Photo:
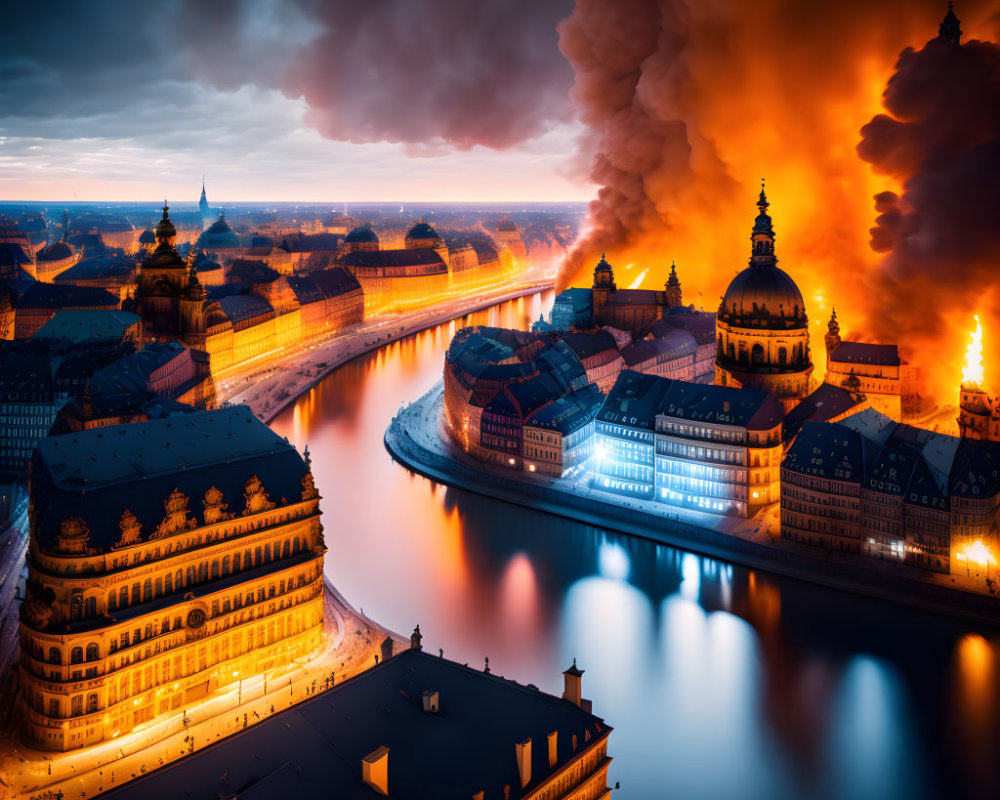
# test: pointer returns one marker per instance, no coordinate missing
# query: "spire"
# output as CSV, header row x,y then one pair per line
x,y
165,231
950,28
673,293
762,236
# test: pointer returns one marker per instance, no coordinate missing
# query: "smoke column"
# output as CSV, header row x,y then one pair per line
x,y
691,103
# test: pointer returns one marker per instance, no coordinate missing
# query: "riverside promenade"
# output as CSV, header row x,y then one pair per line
x,y
416,439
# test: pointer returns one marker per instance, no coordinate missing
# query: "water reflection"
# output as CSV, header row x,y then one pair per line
x,y
721,682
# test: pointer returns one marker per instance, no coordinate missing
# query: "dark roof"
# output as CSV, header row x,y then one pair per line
x,y
763,296
590,344
422,231
305,289
312,242
749,407
637,297
886,355
364,233
634,400
890,473
420,256
827,402
96,268
59,251
131,374
13,255
977,469
826,451
335,281
314,749
241,307
79,325
250,270
700,324
50,295
676,344
147,237
96,474
570,413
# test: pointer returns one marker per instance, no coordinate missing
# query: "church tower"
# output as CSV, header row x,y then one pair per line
x,y
206,216
832,338
950,28
673,285
604,282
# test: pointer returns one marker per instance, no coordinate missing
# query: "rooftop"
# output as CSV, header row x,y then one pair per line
x,y
79,325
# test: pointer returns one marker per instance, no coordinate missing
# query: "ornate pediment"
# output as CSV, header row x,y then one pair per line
x,y
256,498
215,509
73,537
177,518
131,529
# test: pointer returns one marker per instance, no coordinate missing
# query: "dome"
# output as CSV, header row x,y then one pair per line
x,y
763,297
362,234
422,231
59,251
218,236
147,237
165,230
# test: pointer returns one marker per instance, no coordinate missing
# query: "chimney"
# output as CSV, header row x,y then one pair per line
x,y
375,770
431,703
572,685
523,751
553,748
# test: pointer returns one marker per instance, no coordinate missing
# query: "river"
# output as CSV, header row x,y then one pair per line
x,y
720,682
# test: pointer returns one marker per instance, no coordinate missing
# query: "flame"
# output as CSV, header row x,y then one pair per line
x,y
972,371
979,553
637,283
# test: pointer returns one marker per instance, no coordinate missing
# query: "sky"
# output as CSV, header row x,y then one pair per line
x,y
308,100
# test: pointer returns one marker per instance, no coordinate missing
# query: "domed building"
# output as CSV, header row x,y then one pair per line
x,y
361,240
147,241
761,329
219,237
422,235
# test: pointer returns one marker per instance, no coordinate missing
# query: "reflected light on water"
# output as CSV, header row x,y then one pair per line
x,y
613,561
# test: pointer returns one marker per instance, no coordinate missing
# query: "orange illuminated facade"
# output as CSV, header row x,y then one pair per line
x,y
167,559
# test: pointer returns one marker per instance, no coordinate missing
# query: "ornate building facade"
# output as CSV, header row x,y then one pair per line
x,y
762,334
166,559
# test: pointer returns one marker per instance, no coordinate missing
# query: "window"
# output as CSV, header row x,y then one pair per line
x,y
76,655
147,590
77,706
55,655
168,583
92,652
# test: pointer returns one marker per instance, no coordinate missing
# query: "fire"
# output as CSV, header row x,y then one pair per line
x,y
972,371
979,553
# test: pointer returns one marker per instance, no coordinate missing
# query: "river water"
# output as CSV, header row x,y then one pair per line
x,y
720,682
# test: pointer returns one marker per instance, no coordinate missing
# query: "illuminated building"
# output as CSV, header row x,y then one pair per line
x,y
116,274
508,237
631,309
426,270
874,370
420,726
573,308
712,448
600,356
762,328
258,313
672,356
870,485
54,259
560,435
166,558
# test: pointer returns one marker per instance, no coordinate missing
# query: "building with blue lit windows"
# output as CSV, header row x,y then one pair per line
x,y
624,460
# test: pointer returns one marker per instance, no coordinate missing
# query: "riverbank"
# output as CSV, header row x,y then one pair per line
x,y
414,438
270,389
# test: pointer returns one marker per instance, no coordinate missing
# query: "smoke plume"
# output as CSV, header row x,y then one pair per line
x,y
691,103
941,141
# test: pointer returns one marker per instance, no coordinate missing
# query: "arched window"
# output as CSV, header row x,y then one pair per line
x,y
191,576
236,562
77,705
215,569
91,703
123,597
257,557
136,596
90,607
732,352
296,546
225,565
92,652
168,583
76,655
179,579
55,655
286,549
112,600
744,356
757,355
202,572
147,590
782,356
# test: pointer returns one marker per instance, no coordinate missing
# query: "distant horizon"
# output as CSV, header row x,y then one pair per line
x,y
258,203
